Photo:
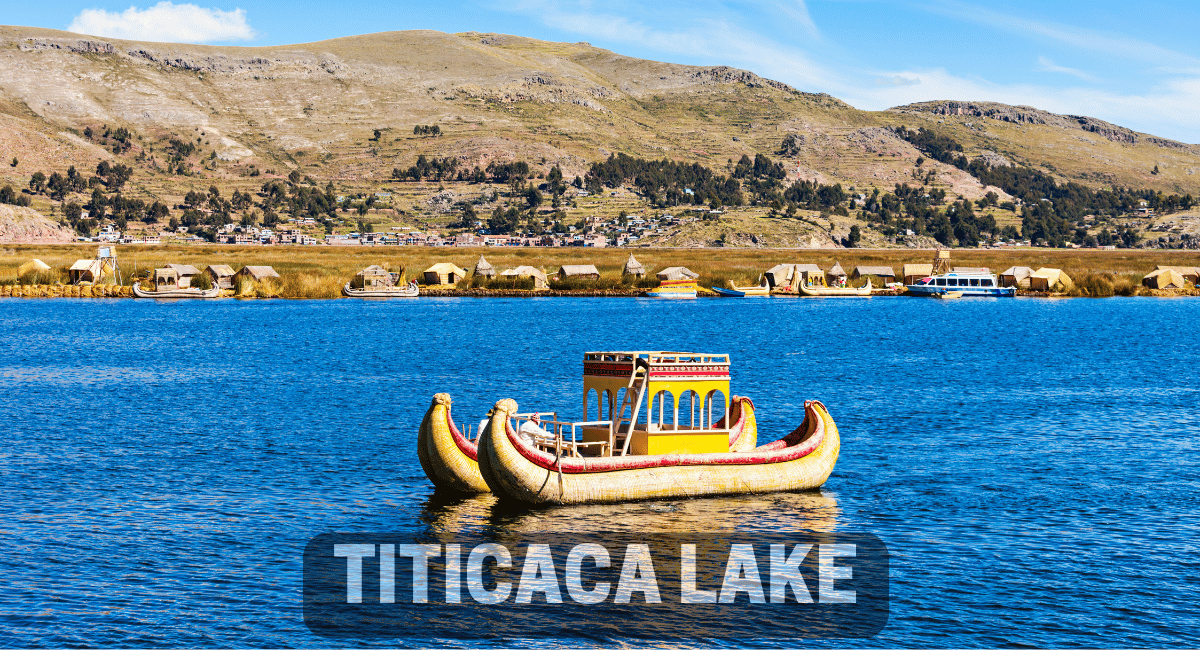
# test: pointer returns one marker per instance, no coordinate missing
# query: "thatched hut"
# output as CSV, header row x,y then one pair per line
x,y
484,269
221,275
1189,273
186,273
255,273
1016,276
32,266
372,277
884,273
578,271
166,278
1164,278
1052,280
677,273
538,275
836,275
914,273
789,276
444,273
634,268
85,271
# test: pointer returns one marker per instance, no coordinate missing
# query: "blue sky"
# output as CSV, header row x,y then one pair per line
x,y
1134,64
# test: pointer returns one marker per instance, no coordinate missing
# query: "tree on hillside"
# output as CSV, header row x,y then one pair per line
x,y
37,183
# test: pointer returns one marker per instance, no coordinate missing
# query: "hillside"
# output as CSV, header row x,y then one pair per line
x,y
316,108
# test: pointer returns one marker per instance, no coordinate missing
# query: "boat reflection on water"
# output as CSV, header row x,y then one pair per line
x,y
484,514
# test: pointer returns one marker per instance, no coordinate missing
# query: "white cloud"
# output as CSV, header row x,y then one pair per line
x,y
1046,65
1165,111
166,22
1085,39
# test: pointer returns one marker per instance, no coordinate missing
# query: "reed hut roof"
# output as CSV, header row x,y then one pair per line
x,y
917,269
808,268
633,267
86,265
578,270
1164,278
32,266
677,273
374,269
881,271
259,272
1051,280
1188,272
524,271
484,268
837,269
185,269
447,267
220,270
1018,272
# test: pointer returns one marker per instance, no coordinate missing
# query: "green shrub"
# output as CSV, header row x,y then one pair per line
x,y
202,281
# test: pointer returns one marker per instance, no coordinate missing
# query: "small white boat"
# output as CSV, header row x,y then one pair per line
x,y
188,292
948,295
411,290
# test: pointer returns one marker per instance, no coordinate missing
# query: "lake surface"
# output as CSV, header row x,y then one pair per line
x,y
1031,464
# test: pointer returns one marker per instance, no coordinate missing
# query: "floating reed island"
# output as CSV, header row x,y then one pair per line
x,y
323,272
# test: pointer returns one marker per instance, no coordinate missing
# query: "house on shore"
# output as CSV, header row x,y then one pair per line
x,y
914,273
372,277
184,274
538,275
165,279
634,268
255,273
884,273
1164,278
444,273
85,271
221,275
677,273
1050,280
578,271
484,269
1016,276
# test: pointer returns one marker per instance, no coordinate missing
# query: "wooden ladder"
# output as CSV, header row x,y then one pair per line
x,y
635,390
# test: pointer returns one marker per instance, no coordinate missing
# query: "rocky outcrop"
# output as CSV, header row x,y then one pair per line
x,y
1030,115
20,225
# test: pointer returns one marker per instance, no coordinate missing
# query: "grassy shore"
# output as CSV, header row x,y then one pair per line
x,y
320,271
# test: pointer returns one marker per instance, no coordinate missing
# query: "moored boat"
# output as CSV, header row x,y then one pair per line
x,y
968,283
186,292
673,289
411,290
447,456
742,292
864,290
635,455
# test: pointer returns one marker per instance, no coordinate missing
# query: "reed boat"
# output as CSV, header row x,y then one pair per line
x,y
742,292
864,290
636,455
446,455
188,292
411,290
673,289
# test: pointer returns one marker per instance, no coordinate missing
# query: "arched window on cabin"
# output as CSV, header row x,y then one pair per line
x,y
662,402
717,406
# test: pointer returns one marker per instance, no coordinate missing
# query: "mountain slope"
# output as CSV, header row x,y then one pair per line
x,y
315,107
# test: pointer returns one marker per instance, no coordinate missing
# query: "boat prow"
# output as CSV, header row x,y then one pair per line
x,y
517,470
446,455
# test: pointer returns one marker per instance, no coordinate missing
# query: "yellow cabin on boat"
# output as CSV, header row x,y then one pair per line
x,y
657,402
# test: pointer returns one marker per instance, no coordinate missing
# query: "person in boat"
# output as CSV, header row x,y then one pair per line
x,y
530,430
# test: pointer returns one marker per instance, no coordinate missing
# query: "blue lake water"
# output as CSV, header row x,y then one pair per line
x,y
1031,464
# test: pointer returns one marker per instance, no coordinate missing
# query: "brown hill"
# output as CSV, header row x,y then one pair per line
x,y
27,226
315,106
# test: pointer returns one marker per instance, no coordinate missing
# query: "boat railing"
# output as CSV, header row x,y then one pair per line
x,y
563,435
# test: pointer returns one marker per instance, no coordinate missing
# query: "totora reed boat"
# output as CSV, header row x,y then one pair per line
x,y
640,452
186,292
447,456
864,290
